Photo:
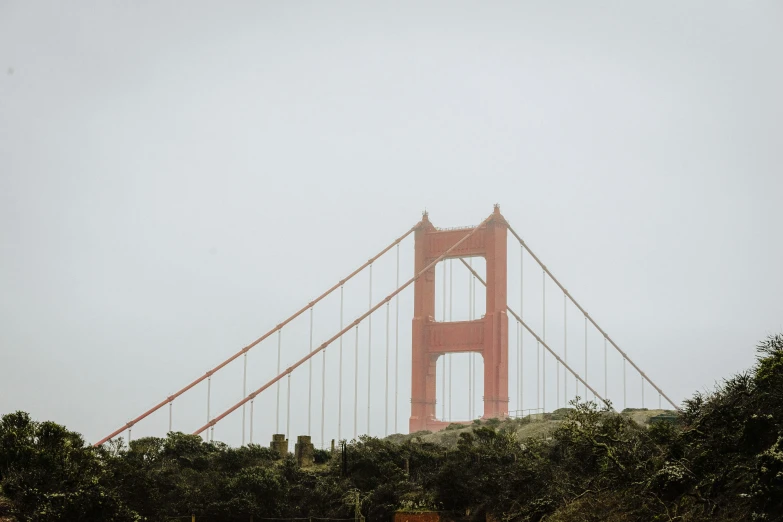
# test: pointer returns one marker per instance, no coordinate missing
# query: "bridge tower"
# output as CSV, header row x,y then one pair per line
x,y
487,336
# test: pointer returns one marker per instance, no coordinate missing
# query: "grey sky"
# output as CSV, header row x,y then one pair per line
x,y
175,180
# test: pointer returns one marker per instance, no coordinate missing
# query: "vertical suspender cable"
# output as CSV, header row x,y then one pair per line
x,y
624,394
310,381
130,437
251,421
521,384
642,390
543,336
443,358
451,302
340,373
396,339
538,377
473,366
356,387
288,410
369,357
171,407
244,394
471,392
565,347
209,394
585,356
323,395
277,408
606,378
519,371
386,369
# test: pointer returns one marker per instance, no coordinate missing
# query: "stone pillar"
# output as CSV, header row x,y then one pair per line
x,y
304,451
279,444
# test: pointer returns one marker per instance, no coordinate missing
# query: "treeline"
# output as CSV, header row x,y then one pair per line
x,y
721,461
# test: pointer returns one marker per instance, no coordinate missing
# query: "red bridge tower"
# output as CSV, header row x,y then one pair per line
x,y
487,336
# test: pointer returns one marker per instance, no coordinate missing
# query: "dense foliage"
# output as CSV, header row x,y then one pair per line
x,y
722,461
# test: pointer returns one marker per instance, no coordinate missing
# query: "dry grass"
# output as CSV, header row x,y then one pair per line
x,y
524,428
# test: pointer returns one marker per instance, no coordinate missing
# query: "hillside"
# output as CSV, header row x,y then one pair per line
x,y
537,427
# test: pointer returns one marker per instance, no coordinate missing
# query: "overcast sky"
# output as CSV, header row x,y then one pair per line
x,y
176,179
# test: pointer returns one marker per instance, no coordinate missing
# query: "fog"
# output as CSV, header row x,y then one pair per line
x,y
177,179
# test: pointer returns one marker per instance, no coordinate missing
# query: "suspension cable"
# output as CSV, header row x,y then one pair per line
x,y
396,341
323,395
209,394
471,360
277,409
473,366
538,375
259,340
642,392
386,370
585,354
244,394
451,318
543,343
366,314
519,369
606,377
355,387
339,373
369,357
171,407
310,379
625,403
565,347
443,358
288,410
543,336
595,324
521,340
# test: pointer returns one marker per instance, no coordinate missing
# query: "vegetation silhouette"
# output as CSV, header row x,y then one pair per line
x,y
720,459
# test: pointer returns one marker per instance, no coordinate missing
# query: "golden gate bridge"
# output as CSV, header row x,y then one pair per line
x,y
435,339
